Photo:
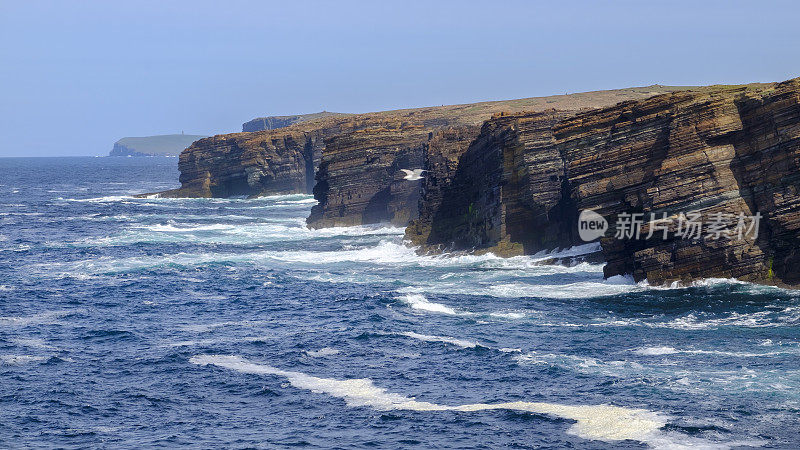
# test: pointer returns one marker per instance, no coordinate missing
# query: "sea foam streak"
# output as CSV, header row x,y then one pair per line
x,y
659,351
598,422
446,339
45,318
418,301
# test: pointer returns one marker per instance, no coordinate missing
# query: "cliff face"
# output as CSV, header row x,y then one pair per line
x,y
439,200
504,192
236,165
359,179
719,152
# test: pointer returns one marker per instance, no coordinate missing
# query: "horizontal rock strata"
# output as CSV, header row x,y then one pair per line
x,y
514,182
285,159
360,180
719,152
503,193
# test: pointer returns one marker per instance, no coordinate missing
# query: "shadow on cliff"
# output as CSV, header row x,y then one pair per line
x,y
768,175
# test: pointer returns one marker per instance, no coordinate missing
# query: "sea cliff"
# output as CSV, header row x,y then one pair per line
x,y
513,177
285,159
725,152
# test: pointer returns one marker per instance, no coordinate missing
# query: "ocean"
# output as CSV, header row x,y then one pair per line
x,y
130,323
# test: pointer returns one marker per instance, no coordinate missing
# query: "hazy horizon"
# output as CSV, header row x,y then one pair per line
x,y
77,78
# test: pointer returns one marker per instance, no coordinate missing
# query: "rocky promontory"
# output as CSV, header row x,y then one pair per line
x,y
514,177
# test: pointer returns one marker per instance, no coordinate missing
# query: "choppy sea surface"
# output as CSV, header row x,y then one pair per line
x,y
132,323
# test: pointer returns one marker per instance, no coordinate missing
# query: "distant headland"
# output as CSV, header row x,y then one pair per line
x,y
160,145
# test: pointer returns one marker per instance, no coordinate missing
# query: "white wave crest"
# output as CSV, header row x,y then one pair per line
x,y
16,360
323,352
657,351
596,422
418,301
175,227
45,318
105,199
448,340
31,342
654,351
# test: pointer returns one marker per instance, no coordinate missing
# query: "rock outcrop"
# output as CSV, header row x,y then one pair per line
x,y
500,192
360,180
721,155
280,162
724,153
160,145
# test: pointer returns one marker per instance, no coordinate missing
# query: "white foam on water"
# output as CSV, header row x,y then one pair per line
x,y
206,327
787,316
44,318
606,423
594,287
656,351
419,302
508,315
302,201
323,352
31,342
254,230
578,250
446,339
583,364
105,199
651,351
172,226
6,288
284,198
16,360
583,289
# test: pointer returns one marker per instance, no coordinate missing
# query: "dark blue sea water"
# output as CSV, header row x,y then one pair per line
x,y
226,323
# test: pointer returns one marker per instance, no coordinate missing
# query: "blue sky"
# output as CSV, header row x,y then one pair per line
x,y
77,76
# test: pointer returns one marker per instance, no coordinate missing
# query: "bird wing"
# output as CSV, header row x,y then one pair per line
x,y
407,172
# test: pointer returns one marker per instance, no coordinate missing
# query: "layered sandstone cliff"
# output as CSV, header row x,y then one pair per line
x,y
285,160
500,192
360,180
517,182
723,154
726,154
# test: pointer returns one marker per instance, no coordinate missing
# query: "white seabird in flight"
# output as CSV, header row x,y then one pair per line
x,y
412,175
